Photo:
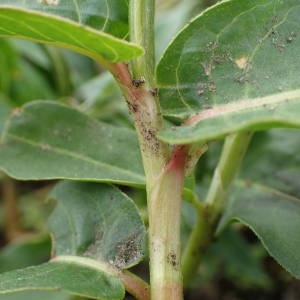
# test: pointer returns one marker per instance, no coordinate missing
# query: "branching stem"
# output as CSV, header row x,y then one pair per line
x,y
234,149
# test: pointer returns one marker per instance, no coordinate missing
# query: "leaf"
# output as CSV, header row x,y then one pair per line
x,y
274,159
108,16
57,31
79,276
29,83
46,140
241,262
97,221
92,220
30,251
37,295
4,112
273,216
233,75
8,58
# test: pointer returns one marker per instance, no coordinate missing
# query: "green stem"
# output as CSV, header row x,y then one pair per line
x,y
164,174
12,226
141,20
164,182
197,245
233,152
164,205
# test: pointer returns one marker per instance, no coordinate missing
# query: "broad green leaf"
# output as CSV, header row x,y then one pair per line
x,y
54,30
97,221
241,262
4,112
274,160
108,16
79,276
45,140
90,220
27,252
8,58
37,295
273,216
234,75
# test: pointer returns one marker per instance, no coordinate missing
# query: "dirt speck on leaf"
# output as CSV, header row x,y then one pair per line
x,y
242,61
49,2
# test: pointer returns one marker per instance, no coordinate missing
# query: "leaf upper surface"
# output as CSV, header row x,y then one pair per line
x,y
225,63
274,217
46,140
268,199
83,277
98,221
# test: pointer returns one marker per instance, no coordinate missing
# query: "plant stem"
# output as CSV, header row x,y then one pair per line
x,y
141,20
164,177
164,181
164,229
164,173
197,245
233,152
12,228
135,285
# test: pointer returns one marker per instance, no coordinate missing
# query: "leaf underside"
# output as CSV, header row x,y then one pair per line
x,y
237,66
107,16
58,142
54,30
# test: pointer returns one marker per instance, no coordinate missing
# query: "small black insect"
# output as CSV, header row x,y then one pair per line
x,y
138,82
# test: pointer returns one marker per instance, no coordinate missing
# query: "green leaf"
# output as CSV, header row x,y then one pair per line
x,y
46,140
4,112
274,159
90,220
97,221
57,31
268,198
273,216
234,75
29,83
241,262
30,251
37,295
79,276
108,16
8,59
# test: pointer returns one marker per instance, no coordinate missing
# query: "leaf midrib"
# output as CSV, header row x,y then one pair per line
x,y
244,105
75,155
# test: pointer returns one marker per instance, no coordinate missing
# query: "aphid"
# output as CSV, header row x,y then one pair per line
x,y
137,82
